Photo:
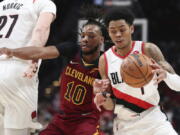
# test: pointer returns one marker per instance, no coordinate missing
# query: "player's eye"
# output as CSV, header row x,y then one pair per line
x,y
91,36
122,30
113,31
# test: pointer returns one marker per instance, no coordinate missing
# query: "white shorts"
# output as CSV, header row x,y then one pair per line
x,y
18,95
150,122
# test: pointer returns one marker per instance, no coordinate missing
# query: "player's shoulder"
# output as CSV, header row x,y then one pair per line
x,y
102,59
149,46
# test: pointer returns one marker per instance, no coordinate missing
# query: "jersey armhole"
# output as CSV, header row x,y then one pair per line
x,y
142,47
106,64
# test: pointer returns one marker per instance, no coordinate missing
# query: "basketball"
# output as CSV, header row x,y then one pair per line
x,y
136,70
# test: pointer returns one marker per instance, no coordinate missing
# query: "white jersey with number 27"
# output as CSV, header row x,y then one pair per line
x,y
18,19
19,95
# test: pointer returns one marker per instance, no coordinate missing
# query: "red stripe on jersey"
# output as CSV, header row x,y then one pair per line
x,y
113,50
131,99
142,47
33,115
106,64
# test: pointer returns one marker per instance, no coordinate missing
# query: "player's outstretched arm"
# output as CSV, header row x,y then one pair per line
x,y
31,52
101,85
162,68
67,49
102,88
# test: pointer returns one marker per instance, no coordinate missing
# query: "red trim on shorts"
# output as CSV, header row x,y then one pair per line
x,y
142,47
113,50
106,64
131,99
33,115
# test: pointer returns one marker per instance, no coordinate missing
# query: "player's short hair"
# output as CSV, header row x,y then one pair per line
x,y
118,14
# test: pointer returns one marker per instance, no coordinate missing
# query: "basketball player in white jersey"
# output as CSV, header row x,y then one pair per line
x,y
22,23
137,109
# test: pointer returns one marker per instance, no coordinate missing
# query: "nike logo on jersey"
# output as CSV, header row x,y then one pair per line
x,y
72,62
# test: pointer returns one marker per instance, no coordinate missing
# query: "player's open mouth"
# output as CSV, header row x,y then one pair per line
x,y
119,41
84,46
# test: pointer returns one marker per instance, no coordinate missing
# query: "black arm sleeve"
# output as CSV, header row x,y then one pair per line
x,y
68,49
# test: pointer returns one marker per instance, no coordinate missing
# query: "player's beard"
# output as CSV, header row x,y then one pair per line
x,y
91,51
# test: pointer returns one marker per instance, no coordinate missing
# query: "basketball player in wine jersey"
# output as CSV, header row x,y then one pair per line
x,y
22,23
137,109
78,114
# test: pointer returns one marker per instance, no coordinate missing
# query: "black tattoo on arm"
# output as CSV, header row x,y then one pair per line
x,y
152,51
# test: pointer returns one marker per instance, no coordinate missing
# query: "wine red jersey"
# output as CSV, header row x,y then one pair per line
x,y
76,90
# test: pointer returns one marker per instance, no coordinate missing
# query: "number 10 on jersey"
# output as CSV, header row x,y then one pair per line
x,y
75,93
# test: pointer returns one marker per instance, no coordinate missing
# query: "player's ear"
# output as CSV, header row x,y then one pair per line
x,y
132,29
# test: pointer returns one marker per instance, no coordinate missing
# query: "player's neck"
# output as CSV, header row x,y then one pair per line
x,y
91,58
124,51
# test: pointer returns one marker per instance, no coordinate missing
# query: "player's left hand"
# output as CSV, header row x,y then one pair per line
x,y
159,72
8,52
100,85
32,69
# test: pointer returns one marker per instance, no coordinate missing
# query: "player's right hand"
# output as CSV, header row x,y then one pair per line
x,y
158,71
100,85
100,99
31,70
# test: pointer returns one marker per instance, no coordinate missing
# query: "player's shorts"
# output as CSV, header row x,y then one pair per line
x,y
150,122
18,95
78,125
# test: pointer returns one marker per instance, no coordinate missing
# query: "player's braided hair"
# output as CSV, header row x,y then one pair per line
x,y
93,14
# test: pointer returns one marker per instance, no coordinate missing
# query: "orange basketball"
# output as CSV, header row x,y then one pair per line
x,y
136,70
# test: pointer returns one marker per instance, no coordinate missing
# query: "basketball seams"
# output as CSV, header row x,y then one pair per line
x,y
147,66
139,82
131,74
141,75
144,77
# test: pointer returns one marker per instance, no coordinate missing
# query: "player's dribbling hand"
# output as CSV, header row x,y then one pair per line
x,y
100,99
100,85
159,72
32,69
